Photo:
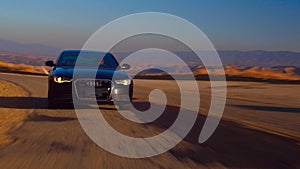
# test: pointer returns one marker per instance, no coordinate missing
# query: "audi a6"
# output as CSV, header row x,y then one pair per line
x,y
85,76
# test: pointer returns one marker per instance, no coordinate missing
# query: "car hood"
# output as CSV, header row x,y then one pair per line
x,y
89,73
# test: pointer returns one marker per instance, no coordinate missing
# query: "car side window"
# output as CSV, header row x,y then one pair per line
x,y
108,62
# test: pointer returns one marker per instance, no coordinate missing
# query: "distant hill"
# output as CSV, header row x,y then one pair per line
x,y
36,54
235,73
249,58
260,58
151,71
24,59
7,46
239,73
278,73
276,65
240,58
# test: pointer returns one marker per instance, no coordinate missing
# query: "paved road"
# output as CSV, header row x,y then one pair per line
x,y
54,138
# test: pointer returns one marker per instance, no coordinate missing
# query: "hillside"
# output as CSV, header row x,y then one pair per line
x,y
7,46
256,65
260,58
24,59
232,72
248,58
21,68
36,52
276,73
286,74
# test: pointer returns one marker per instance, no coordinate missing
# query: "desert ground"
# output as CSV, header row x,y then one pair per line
x,y
10,119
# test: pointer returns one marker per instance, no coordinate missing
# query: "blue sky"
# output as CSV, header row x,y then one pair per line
x,y
230,24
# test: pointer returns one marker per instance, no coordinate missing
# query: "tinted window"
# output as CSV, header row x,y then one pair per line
x,y
86,59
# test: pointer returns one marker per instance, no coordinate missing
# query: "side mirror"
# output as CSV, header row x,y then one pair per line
x,y
125,66
49,63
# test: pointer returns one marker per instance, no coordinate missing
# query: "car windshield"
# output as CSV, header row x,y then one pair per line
x,y
87,59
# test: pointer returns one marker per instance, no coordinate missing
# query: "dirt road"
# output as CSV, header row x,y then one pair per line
x,y
53,138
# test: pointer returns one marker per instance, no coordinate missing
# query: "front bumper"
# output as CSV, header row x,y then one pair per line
x,y
70,92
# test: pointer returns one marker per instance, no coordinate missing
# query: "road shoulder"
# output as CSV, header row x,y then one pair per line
x,y
11,116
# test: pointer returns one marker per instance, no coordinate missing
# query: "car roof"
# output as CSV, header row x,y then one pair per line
x,y
83,51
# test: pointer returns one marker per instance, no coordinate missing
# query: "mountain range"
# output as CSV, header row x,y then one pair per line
x,y
35,54
7,46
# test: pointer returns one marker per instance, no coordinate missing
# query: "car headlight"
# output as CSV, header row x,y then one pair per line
x,y
59,79
123,81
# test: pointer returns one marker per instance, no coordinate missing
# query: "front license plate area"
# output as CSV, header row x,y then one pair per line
x,y
94,92
93,89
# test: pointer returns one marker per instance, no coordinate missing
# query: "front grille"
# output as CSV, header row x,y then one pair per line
x,y
93,89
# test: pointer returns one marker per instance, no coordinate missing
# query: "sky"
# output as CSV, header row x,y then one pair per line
x,y
230,25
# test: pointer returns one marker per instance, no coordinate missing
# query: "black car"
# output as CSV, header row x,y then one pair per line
x,y
75,77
